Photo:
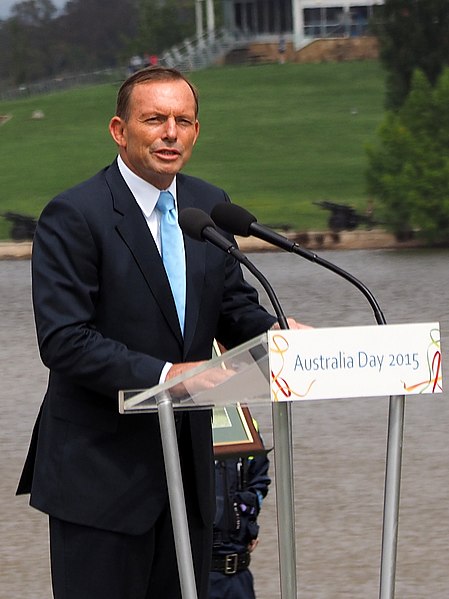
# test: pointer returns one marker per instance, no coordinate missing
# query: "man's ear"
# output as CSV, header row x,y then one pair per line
x,y
117,127
197,130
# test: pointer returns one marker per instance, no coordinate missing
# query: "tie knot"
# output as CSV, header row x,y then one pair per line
x,y
165,202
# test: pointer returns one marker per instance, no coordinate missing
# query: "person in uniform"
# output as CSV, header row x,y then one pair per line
x,y
241,485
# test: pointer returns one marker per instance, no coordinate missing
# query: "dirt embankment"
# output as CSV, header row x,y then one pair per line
x,y
10,250
328,240
323,240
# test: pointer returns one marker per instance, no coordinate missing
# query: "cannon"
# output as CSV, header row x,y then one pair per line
x,y
345,218
23,227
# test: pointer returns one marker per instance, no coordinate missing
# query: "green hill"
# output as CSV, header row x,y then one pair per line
x,y
276,137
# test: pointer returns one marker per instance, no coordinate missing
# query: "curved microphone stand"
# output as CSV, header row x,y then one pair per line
x,y
239,221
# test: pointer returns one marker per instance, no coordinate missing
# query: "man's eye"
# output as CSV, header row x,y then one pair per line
x,y
184,122
155,120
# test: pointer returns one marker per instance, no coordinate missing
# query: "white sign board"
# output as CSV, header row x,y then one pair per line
x,y
367,361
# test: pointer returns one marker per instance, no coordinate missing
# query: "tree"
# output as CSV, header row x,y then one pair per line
x,y
413,34
96,33
163,24
38,41
409,167
31,44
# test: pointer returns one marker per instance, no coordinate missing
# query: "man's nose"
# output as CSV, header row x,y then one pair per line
x,y
171,128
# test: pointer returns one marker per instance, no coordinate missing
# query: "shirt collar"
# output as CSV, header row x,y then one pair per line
x,y
145,194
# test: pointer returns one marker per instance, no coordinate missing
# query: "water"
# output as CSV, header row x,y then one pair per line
x,y
339,446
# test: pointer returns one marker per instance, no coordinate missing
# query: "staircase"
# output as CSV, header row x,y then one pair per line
x,y
226,47
201,52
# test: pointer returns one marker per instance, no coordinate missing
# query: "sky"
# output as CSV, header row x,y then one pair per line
x,y
5,6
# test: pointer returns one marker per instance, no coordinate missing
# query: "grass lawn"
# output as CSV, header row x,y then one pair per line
x,y
276,137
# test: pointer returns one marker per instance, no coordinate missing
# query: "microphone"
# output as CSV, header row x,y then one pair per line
x,y
236,220
199,226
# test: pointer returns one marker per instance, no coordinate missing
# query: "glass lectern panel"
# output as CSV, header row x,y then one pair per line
x,y
240,375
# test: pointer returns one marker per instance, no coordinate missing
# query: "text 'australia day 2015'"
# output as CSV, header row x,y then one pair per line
x,y
360,359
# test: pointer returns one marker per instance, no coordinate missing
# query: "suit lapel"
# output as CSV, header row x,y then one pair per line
x,y
195,265
133,229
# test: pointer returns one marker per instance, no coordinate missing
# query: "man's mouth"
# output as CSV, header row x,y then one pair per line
x,y
168,153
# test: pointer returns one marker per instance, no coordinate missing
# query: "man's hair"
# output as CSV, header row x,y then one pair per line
x,y
148,75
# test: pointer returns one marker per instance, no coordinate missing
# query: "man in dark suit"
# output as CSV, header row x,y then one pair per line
x,y
106,320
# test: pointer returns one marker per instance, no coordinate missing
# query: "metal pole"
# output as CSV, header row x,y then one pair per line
x,y
210,18
391,496
199,19
298,23
176,496
283,460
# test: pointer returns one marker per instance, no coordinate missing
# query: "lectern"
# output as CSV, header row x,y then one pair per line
x,y
281,367
246,381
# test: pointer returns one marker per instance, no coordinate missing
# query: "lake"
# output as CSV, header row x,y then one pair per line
x,y
339,446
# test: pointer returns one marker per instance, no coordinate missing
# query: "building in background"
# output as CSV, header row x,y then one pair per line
x,y
298,20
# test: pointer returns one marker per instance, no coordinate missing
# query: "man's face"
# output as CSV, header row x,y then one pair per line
x,y
157,139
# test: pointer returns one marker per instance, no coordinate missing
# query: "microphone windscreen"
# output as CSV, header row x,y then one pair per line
x,y
193,221
233,219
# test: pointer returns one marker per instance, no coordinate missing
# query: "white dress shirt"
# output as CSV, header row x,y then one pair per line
x,y
146,195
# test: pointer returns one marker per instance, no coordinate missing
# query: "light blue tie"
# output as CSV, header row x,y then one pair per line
x,y
172,251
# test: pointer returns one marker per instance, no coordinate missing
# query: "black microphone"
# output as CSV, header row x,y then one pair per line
x,y
236,220
199,225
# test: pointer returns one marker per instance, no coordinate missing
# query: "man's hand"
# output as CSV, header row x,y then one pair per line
x,y
178,369
204,380
293,324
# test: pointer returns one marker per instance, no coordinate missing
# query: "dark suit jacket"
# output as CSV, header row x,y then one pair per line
x,y
106,320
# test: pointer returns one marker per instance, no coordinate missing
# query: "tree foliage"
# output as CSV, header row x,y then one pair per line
x,y
164,24
97,33
409,167
30,39
38,41
413,34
